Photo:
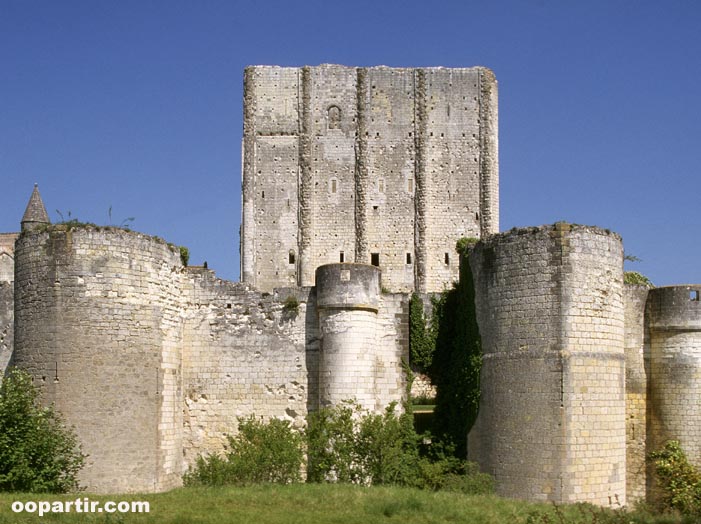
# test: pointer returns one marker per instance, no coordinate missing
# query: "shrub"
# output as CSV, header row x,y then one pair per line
x,y
347,445
633,277
679,480
38,453
184,255
291,305
261,452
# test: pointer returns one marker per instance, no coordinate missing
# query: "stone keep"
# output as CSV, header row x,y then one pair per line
x,y
389,166
551,424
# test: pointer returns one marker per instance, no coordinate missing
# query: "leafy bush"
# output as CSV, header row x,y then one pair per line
x,y
38,453
347,445
679,480
261,452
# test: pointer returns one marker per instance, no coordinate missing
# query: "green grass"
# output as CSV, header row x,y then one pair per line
x,y
301,504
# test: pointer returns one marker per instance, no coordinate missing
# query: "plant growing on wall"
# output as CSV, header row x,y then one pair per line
x,y
457,359
184,255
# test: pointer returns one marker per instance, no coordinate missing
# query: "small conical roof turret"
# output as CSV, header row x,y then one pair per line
x,y
35,214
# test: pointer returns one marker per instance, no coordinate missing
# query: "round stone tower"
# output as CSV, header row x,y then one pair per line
x,y
674,364
551,424
348,297
98,326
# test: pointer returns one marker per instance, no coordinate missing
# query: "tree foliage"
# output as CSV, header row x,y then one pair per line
x,y
38,453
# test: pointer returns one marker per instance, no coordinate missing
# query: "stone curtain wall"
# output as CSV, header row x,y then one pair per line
x,y
244,354
344,162
7,317
550,308
674,363
635,297
7,263
98,326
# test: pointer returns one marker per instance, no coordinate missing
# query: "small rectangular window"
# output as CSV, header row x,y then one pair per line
x,y
446,259
342,257
291,257
333,185
410,185
381,186
375,259
408,258
694,296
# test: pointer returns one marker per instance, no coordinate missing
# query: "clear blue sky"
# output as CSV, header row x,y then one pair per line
x,y
138,105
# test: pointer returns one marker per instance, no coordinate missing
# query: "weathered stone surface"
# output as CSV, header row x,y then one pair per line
x,y
673,360
153,363
341,163
551,424
635,297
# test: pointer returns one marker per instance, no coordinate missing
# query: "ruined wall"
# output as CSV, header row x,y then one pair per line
x,y
634,299
98,325
342,163
7,263
244,354
7,303
7,317
551,423
674,369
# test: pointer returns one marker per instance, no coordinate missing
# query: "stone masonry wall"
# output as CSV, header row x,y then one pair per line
x,y
551,422
674,370
7,318
98,325
635,297
342,163
244,354
7,263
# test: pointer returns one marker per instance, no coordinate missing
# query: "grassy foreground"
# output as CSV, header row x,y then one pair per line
x,y
300,503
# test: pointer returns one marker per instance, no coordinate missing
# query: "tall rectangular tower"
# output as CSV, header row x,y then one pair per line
x,y
378,165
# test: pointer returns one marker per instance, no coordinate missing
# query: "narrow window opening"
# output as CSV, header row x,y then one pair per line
x,y
374,208
333,185
408,258
342,257
410,185
694,296
228,306
291,257
381,185
262,194
446,259
375,259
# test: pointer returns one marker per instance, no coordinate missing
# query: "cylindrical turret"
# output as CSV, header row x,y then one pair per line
x,y
674,363
98,326
550,311
347,300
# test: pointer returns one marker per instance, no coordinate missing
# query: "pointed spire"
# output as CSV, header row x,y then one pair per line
x,y
35,214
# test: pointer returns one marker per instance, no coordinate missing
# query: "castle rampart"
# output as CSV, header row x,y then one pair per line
x,y
674,368
98,325
383,166
550,309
